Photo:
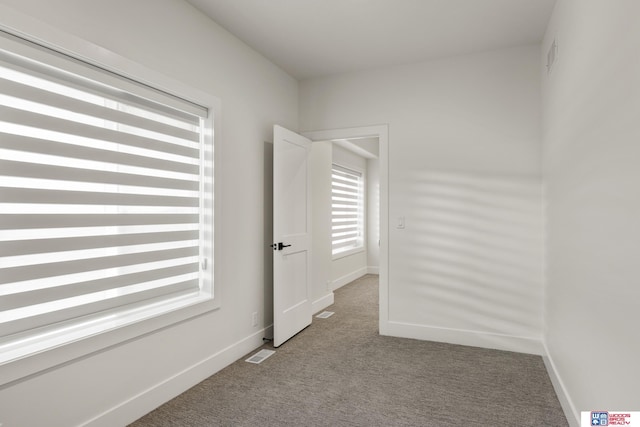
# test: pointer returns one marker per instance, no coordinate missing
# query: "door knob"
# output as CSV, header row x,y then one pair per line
x,y
280,246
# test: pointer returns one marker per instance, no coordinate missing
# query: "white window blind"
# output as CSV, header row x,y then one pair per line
x,y
104,192
347,209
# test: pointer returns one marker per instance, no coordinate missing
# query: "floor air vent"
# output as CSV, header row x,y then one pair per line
x,y
260,356
325,314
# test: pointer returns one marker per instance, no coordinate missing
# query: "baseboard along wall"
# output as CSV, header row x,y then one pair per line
x,y
463,337
148,400
495,341
322,303
348,278
570,411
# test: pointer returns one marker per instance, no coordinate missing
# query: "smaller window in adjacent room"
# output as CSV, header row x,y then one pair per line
x,y
347,210
106,203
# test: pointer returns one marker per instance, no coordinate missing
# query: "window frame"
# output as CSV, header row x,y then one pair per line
x,y
82,338
363,228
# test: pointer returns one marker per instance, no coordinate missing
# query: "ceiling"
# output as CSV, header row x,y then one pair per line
x,y
312,38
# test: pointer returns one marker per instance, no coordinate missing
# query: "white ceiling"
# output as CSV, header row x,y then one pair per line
x,y
311,38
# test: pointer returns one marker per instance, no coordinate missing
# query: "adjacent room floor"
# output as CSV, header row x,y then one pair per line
x,y
340,372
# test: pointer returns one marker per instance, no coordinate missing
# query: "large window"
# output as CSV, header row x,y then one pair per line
x,y
105,200
347,211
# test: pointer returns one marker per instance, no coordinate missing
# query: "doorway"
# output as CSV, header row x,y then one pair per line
x,y
364,134
355,207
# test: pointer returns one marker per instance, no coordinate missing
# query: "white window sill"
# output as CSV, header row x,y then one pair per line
x,y
347,253
36,352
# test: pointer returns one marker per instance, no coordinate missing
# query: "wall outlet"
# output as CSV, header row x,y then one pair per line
x,y
254,322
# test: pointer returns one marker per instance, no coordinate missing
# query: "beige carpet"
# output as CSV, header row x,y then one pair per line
x,y
340,372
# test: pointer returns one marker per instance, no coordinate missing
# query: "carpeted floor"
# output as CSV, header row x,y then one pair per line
x,y
340,372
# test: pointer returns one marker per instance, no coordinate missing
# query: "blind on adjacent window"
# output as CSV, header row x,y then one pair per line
x,y
347,209
100,190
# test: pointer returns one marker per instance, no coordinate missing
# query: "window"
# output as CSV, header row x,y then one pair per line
x,y
347,211
106,189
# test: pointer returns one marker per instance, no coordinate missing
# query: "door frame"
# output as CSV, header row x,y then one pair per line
x,y
382,133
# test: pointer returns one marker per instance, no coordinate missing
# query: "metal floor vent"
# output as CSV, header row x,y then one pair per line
x,y
325,314
260,356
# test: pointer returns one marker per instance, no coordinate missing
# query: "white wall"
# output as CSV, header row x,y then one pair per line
x,y
320,170
348,268
592,173
173,38
373,215
465,172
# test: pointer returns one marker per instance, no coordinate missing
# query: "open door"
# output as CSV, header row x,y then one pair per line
x,y
292,234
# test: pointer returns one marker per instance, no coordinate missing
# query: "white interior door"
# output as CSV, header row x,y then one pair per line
x,y
292,234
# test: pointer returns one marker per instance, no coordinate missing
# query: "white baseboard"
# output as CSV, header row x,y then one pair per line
x,y
143,403
569,409
373,270
463,337
348,278
322,303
